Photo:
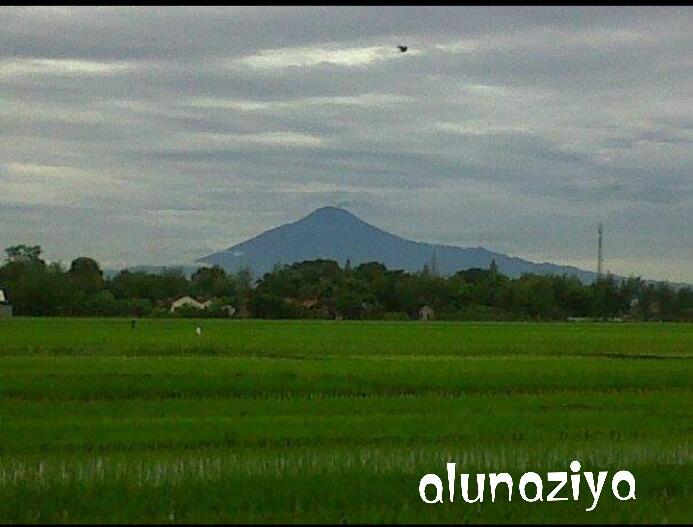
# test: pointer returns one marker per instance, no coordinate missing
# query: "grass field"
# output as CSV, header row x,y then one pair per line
x,y
335,421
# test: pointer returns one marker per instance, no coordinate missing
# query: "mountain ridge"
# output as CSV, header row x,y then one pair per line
x,y
338,234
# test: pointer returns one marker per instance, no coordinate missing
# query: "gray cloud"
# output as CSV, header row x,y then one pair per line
x,y
149,135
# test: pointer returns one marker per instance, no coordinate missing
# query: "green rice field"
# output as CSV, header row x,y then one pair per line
x,y
300,421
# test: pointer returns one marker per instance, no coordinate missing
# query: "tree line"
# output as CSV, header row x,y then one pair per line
x,y
324,289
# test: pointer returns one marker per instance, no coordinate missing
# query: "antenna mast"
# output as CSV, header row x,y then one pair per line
x,y
600,256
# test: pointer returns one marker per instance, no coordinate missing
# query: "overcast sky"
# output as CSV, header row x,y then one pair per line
x,y
159,135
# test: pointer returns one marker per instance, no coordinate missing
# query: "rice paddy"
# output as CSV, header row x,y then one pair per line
x,y
263,421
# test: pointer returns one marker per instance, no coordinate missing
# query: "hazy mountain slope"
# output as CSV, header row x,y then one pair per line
x,y
337,234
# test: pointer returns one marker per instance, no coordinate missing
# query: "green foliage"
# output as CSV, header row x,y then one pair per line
x,y
321,289
86,275
270,306
24,253
395,315
213,282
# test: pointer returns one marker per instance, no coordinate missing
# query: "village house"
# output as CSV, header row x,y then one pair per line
x,y
426,313
229,310
5,306
199,303
189,302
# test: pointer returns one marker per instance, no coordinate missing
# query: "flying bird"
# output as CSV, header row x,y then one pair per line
x,y
403,48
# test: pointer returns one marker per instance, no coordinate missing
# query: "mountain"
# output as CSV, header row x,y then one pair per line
x,y
337,234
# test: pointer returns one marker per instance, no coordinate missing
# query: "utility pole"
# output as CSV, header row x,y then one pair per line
x,y
600,256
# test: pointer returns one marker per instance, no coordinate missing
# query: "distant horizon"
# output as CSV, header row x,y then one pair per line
x,y
196,264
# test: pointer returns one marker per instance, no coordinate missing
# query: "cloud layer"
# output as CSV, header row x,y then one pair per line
x,y
159,135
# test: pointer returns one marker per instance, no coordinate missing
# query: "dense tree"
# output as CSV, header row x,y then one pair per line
x,y
323,289
24,253
86,275
213,282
